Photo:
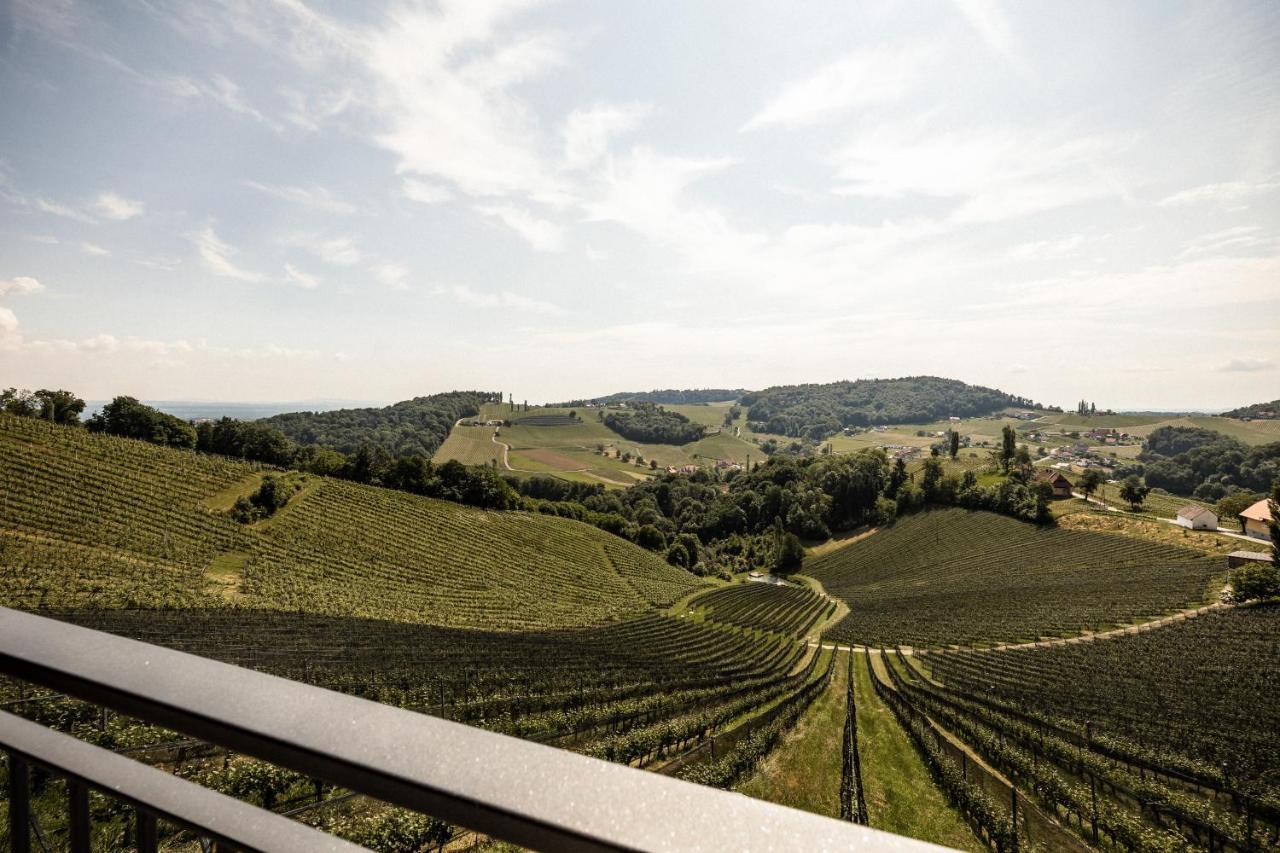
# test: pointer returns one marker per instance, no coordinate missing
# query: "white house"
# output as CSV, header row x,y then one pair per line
x,y
1197,517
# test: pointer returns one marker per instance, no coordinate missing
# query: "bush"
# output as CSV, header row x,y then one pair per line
x,y
1257,581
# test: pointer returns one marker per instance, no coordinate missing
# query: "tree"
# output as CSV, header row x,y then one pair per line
x,y
650,538
125,416
1255,581
60,407
790,554
1090,481
954,444
1235,503
931,477
1008,446
20,403
1132,491
1274,525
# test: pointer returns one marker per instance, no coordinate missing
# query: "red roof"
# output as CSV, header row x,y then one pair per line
x,y
1260,511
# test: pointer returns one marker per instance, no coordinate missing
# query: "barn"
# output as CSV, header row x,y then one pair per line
x,y
1197,517
1060,484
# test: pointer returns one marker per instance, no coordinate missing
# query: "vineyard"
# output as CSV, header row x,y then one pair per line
x,y
1111,798
782,609
958,577
1196,696
94,520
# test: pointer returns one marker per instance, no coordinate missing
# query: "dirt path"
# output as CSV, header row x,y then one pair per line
x,y
1141,627
1222,531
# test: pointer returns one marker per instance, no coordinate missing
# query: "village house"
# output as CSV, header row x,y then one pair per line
x,y
1255,519
1057,480
1197,517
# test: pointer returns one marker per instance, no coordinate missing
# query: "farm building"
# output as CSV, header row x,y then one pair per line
x,y
1061,485
1197,517
1242,558
1255,519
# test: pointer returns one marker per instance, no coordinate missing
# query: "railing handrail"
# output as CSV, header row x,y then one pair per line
x,y
213,815
515,790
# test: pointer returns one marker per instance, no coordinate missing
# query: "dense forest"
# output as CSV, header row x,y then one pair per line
x,y
1257,410
666,397
1206,464
418,426
651,424
817,411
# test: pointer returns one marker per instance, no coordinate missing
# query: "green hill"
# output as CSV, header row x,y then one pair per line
x,y
954,576
817,411
91,520
417,426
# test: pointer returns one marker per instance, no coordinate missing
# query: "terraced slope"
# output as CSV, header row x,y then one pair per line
x,y
87,520
953,576
782,609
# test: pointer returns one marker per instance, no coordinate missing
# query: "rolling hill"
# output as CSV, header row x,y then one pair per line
x,y
817,411
954,576
90,520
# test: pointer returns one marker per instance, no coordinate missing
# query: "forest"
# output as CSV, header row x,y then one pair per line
x,y
419,425
1206,464
817,411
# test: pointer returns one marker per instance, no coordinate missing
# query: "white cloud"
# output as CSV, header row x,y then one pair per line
x,y
587,133
1246,365
424,192
503,299
867,76
220,89
295,276
19,286
94,249
114,206
339,251
217,257
10,334
543,235
995,173
313,197
442,97
988,19
1227,240
392,275
1229,193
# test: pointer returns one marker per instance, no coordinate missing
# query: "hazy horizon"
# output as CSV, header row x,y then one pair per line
x,y
237,202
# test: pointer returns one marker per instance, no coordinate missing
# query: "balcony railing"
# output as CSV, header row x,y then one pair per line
x,y
500,786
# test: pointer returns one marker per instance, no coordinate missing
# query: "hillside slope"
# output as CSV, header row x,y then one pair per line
x,y
955,576
817,411
89,520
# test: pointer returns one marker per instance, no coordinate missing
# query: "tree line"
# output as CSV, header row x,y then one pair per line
x,y
1206,464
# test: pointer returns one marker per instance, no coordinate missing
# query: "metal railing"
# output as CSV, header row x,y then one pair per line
x,y
526,793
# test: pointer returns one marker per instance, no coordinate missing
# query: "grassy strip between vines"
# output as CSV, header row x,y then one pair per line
x,y
901,797
804,770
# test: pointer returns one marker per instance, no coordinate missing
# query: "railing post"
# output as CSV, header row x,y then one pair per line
x,y
78,807
19,805
147,838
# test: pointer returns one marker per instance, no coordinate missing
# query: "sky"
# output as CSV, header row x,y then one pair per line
x,y
295,200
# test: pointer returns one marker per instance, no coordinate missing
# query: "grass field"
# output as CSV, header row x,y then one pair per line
x,y
587,450
954,576
900,794
89,520
804,771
